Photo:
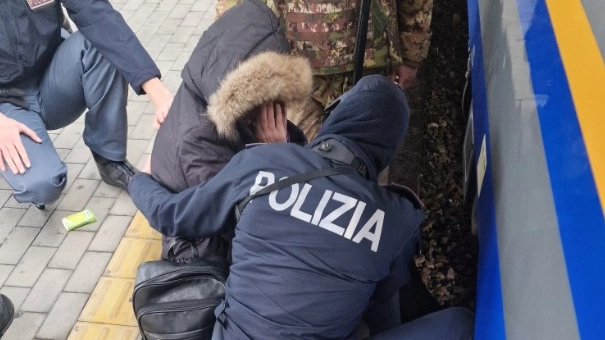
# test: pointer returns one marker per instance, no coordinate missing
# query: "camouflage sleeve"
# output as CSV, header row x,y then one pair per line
x,y
414,19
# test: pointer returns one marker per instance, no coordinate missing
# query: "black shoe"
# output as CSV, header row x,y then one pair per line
x,y
115,173
7,313
40,206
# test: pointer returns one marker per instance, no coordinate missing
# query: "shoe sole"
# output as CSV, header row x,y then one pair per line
x,y
113,183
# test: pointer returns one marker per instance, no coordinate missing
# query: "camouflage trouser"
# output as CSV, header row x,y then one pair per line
x,y
326,89
308,117
311,115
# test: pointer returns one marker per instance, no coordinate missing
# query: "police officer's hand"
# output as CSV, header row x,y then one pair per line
x,y
161,99
271,123
12,152
403,76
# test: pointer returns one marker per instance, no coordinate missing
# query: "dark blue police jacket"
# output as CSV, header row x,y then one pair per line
x,y
29,38
307,259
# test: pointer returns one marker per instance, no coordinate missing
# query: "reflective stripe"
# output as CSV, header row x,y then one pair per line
x,y
585,72
574,139
532,265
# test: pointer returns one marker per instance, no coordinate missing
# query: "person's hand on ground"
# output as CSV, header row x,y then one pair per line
x,y
404,76
12,151
161,99
271,123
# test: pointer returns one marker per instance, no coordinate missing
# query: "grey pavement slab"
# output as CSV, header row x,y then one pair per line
x,y
8,220
30,267
24,326
72,249
87,273
61,318
35,217
111,232
5,271
53,232
17,295
45,292
17,244
4,195
47,272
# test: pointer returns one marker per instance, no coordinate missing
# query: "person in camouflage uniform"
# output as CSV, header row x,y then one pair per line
x,y
325,31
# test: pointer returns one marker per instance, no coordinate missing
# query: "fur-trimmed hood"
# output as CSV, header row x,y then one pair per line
x,y
264,77
188,149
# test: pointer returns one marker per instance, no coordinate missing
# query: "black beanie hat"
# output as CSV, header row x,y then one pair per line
x,y
374,116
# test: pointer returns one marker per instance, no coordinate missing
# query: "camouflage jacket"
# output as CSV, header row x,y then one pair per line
x,y
324,31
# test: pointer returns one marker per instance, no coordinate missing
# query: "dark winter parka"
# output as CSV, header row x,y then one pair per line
x,y
233,64
307,259
30,37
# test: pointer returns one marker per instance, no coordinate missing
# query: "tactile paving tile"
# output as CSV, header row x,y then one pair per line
x,y
130,253
110,303
97,331
108,313
139,228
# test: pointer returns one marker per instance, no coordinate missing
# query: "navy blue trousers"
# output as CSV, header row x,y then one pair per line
x,y
453,323
78,78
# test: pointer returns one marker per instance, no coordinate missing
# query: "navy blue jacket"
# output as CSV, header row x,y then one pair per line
x,y
29,39
306,260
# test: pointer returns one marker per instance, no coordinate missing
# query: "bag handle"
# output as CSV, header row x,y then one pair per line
x,y
286,182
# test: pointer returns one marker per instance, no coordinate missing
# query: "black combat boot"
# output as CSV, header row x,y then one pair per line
x,y
115,173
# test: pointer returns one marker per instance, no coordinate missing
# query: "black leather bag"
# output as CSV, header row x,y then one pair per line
x,y
176,301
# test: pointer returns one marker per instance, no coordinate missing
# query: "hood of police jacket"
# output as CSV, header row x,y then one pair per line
x,y
371,119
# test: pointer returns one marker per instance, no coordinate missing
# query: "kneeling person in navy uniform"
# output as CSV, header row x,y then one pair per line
x,y
309,259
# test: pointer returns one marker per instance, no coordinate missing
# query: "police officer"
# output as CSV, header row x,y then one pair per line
x,y
310,258
47,80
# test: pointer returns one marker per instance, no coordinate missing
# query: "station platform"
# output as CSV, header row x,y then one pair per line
x,y
78,284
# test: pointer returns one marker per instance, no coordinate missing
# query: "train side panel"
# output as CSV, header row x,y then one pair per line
x,y
538,210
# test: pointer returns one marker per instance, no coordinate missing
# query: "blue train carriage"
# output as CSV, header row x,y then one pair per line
x,y
535,170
